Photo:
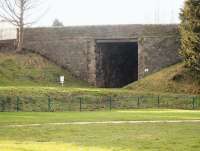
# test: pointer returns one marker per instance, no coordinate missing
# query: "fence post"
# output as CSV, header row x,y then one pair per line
x,y
80,104
193,103
17,103
138,102
110,103
158,101
3,105
69,103
49,104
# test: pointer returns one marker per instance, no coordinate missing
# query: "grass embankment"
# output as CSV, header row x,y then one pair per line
x,y
32,75
29,74
174,79
33,79
100,137
29,69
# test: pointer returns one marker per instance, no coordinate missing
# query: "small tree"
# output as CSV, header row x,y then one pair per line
x,y
57,23
190,34
17,13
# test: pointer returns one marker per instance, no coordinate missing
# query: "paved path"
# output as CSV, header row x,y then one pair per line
x,y
107,122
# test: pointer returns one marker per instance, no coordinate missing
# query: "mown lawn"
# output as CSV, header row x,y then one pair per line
x,y
139,137
9,118
100,137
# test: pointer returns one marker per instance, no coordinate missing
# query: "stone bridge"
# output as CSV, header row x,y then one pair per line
x,y
107,56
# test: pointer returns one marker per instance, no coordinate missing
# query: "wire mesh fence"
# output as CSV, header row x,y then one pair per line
x,y
95,103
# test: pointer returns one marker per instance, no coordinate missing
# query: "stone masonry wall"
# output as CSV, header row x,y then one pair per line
x,y
157,52
74,47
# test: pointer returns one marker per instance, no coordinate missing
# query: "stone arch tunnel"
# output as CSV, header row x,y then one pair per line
x,y
117,63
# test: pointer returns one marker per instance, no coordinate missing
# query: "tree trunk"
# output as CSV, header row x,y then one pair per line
x,y
20,39
21,27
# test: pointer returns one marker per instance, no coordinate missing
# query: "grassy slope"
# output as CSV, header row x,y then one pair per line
x,y
30,74
100,137
32,70
174,79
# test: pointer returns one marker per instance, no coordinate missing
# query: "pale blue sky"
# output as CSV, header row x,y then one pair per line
x,y
104,12
93,12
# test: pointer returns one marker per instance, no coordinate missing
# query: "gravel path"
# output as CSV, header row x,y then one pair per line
x,y
107,122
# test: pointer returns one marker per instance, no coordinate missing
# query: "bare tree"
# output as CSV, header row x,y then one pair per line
x,y
17,12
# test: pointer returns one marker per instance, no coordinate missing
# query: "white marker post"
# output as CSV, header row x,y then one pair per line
x,y
62,80
146,70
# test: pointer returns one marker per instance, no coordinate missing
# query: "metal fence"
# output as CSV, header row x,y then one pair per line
x,y
96,103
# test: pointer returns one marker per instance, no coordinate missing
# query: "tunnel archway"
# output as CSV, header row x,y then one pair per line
x,y
117,63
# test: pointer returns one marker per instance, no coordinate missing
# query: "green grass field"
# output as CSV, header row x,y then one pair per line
x,y
33,79
100,137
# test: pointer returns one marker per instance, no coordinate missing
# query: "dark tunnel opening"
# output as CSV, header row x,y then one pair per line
x,y
117,64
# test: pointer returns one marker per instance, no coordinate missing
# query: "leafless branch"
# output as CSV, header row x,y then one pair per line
x,y
16,12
